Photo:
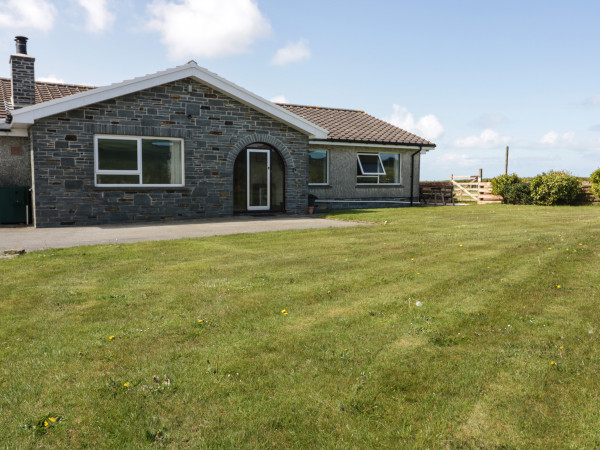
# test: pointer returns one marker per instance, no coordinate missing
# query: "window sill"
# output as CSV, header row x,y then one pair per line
x,y
381,185
140,188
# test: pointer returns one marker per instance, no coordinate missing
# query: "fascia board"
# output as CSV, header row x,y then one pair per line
x,y
29,114
424,148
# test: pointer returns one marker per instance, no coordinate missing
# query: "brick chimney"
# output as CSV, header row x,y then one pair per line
x,y
22,75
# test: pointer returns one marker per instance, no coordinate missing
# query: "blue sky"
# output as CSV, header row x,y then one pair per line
x,y
472,76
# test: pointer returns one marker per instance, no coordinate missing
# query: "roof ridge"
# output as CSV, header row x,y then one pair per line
x,y
55,83
320,107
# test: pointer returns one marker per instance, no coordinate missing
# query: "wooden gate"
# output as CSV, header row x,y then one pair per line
x,y
471,188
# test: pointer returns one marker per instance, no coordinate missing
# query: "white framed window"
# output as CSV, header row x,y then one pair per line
x,y
138,161
318,167
378,168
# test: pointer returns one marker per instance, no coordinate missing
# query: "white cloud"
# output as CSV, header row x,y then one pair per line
x,y
592,101
51,79
207,28
292,52
487,139
428,127
98,17
279,99
552,138
36,14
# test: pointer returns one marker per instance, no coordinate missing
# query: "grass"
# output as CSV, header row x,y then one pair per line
x,y
502,351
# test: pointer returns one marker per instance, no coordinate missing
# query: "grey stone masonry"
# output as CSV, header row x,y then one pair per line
x,y
23,80
15,161
215,128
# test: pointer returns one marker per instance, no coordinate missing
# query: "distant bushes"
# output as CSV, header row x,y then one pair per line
x,y
552,188
555,188
595,180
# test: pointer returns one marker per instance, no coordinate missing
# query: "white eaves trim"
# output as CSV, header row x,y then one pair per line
x,y
423,148
28,115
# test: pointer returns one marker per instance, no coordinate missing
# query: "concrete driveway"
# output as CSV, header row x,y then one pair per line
x,y
29,238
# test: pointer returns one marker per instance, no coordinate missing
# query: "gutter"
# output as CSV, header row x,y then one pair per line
x,y
412,175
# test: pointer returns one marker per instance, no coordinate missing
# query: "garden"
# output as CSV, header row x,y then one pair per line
x,y
472,326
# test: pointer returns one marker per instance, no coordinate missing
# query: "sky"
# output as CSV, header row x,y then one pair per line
x,y
472,76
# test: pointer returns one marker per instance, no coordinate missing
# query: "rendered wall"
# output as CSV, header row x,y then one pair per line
x,y
343,182
15,161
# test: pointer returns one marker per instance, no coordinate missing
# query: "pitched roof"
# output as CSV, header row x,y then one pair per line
x,y
350,125
26,116
44,92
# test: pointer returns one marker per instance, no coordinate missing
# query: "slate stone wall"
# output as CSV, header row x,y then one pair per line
x,y
15,161
215,128
23,80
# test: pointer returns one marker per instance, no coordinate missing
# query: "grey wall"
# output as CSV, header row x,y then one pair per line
x,y
217,129
15,170
342,176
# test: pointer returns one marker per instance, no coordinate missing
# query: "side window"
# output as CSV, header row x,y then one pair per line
x,y
318,167
378,168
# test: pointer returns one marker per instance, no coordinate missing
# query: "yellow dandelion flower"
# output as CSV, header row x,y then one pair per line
x,y
128,384
460,245
110,338
285,314
200,320
345,349
283,311
558,286
412,259
561,347
549,248
580,243
578,374
45,423
552,363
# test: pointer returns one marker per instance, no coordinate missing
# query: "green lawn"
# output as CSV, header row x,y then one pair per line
x,y
502,352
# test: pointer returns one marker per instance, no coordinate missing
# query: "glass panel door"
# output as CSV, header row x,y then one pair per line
x,y
259,182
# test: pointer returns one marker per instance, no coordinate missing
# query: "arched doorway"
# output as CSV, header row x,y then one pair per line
x,y
258,180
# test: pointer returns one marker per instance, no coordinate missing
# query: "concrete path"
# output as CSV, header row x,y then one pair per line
x,y
29,238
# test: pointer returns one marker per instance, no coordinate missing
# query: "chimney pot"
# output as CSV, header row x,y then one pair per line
x,y
21,45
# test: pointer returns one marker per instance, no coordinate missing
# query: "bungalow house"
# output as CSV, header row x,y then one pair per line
x,y
185,143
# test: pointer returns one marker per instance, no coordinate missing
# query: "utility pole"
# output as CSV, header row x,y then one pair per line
x,y
506,162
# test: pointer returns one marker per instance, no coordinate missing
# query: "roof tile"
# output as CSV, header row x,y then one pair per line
x,y
44,92
350,125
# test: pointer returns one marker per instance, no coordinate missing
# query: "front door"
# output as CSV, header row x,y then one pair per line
x,y
259,179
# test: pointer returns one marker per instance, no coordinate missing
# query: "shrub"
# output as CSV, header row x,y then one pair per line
x,y
555,188
517,194
501,181
595,179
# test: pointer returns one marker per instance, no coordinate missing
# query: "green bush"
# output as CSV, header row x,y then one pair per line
x,y
595,179
517,194
555,188
500,182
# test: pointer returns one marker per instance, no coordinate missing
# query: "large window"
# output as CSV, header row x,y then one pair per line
x,y
318,167
138,161
378,168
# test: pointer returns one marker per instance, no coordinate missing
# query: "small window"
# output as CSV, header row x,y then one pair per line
x,y
378,168
370,164
318,167
137,161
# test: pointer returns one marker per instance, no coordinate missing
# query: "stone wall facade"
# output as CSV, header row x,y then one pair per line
x,y
23,80
343,185
214,127
15,161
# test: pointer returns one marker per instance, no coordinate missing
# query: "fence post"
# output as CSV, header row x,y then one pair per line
x,y
480,175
